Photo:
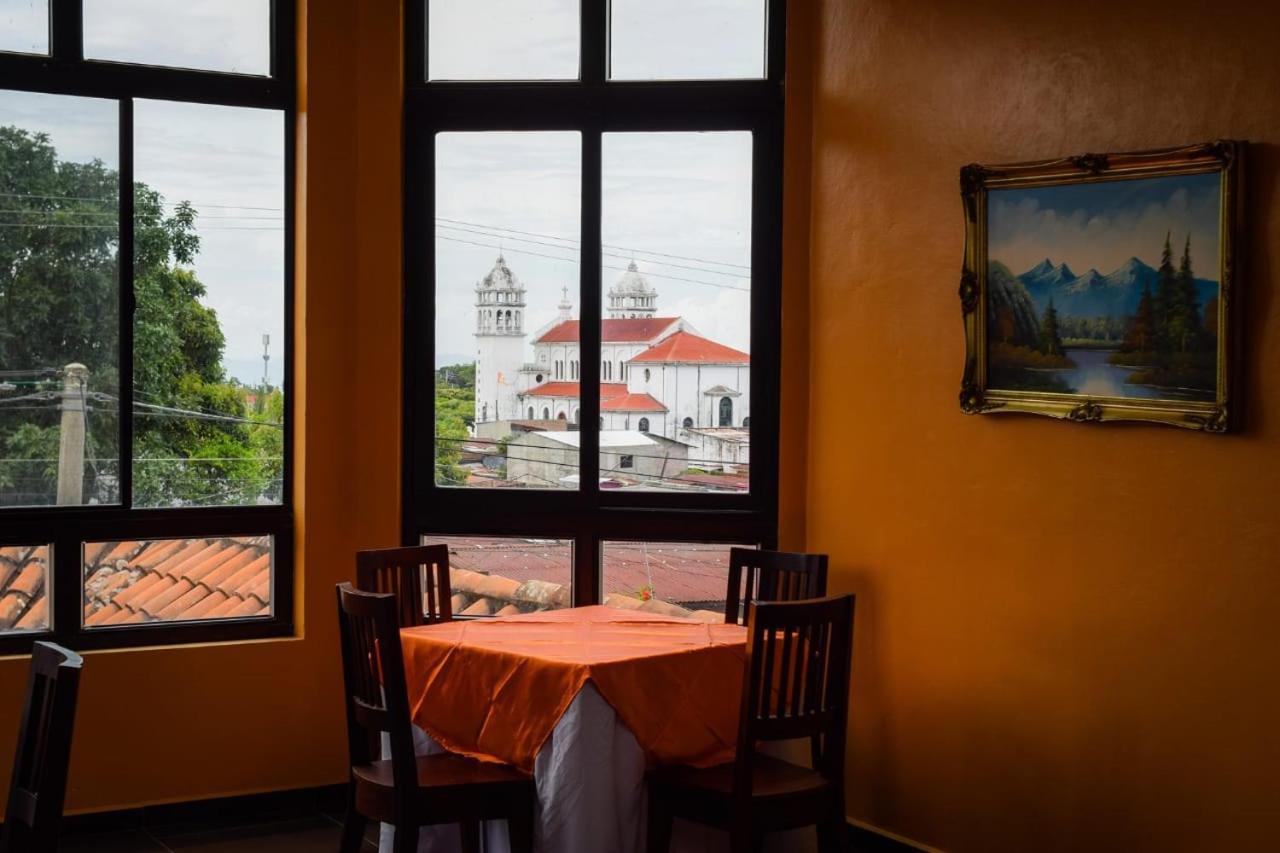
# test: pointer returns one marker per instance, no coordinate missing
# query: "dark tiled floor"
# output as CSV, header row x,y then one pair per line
x,y
282,828
288,823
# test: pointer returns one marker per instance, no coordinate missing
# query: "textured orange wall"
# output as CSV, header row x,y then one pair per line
x,y
236,718
1067,635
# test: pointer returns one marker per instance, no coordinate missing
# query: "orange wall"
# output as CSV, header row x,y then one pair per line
x,y
1067,635
182,723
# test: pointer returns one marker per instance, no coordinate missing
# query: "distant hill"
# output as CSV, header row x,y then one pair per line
x,y
1095,295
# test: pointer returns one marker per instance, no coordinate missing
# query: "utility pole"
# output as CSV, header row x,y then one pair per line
x,y
266,362
71,448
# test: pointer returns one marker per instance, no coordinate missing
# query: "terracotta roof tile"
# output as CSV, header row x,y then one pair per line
x,y
688,348
637,330
132,582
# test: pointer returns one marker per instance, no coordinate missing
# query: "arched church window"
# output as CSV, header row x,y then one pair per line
x,y
575,415
646,374
538,378
644,424
484,412
726,412
688,423
746,423
546,413
561,417
531,413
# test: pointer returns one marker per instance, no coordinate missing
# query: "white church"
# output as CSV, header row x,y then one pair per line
x,y
659,377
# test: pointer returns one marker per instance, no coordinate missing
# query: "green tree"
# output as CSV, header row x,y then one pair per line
x,y
59,298
1050,334
1142,334
1166,296
455,413
1185,326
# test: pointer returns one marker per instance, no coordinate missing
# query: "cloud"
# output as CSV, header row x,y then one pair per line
x,y
1026,226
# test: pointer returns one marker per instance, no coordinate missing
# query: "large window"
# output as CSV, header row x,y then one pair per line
x,y
592,248
145,264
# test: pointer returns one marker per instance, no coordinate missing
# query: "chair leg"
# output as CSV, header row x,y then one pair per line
x,y
406,840
470,830
520,827
660,820
833,835
740,839
353,827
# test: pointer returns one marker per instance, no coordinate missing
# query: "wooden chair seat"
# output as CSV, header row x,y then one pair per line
x,y
770,778
455,787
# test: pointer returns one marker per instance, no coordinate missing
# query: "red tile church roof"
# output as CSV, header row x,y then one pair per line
x,y
638,330
614,396
687,348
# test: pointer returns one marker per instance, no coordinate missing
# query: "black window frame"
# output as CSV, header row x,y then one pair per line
x,y
592,105
67,529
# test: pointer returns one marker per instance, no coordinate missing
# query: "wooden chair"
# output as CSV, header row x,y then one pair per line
x,y
407,790
796,685
39,782
771,576
400,572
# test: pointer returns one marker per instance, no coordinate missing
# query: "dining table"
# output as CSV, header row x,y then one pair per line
x,y
585,699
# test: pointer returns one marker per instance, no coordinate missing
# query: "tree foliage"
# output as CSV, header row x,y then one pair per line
x,y
196,439
455,413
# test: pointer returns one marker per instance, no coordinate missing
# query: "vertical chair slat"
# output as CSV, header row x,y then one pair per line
x,y
771,576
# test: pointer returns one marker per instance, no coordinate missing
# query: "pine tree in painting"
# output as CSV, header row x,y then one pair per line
x,y
1142,333
1184,318
1166,295
1050,335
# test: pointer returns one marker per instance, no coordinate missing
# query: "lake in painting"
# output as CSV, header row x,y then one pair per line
x,y
1105,289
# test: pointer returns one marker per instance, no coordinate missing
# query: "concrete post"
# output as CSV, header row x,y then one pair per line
x,y
71,448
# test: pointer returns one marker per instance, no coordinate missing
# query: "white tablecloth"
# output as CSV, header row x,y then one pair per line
x,y
590,779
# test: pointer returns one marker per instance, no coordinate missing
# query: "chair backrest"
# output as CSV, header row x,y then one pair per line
x,y
756,575
373,674
39,783
401,572
796,682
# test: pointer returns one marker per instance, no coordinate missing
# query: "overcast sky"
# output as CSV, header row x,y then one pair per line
x,y
665,194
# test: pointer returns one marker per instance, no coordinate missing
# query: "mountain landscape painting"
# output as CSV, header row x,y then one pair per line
x,y
1106,289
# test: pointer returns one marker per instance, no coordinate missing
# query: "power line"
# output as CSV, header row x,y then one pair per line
x,y
628,249
605,266
571,248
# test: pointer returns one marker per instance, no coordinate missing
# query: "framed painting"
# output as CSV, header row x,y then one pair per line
x,y
1101,287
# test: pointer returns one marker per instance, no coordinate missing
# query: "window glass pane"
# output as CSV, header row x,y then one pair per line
x,y
675,393
59,298
502,39
24,26
24,588
503,576
212,35
209,323
686,39
688,579
507,363
177,580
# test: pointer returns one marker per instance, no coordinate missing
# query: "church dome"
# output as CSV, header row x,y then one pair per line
x,y
500,277
631,283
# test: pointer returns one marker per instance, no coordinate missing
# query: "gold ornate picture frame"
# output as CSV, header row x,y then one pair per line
x,y
1103,287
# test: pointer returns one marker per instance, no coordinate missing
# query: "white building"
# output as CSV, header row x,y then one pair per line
x,y
500,337
658,375
551,458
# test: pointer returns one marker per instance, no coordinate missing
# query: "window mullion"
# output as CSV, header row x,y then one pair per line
x,y
66,30
124,275
587,586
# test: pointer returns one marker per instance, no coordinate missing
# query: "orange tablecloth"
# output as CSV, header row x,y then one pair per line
x,y
495,689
